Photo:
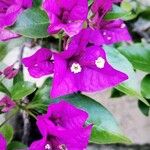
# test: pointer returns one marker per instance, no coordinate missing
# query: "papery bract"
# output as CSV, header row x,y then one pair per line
x,y
3,143
67,15
63,127
40,63
7,104
9,10
84,67
112,31
10,72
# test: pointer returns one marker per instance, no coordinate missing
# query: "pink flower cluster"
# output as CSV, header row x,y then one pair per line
x,y
82,65
62,128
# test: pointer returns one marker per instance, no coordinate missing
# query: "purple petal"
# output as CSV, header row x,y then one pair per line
x,y
39,64
101,6
24,3
114,31
3,143
7,35
40,144
67,15
7,104
70,130
71,117
63,82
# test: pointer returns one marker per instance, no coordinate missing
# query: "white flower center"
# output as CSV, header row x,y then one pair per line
x,y
62,147
76,68
123,26
109,38
104,33
100,62
47,147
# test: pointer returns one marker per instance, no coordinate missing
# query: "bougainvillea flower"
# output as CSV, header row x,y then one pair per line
x,y
40,63
101,7
67,15
112,31
63,128
7,104
3,143
84,67
10,72
9,10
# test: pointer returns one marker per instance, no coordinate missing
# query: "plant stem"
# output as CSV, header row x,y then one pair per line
x,y
31,114
60,42
9,117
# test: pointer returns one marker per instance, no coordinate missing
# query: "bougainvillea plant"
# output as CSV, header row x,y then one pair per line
x,y
72,47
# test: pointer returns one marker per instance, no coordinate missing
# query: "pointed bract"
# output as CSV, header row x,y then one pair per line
x,y
3,143
63,127
39,64
67,15
84,67
7,104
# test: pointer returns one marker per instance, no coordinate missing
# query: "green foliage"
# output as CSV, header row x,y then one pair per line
x,y
41,99
131,86
116,93
37,3
32,23
15,145
7,132
3,50
138,54
145,86
145,89
22,89
144,108
4,89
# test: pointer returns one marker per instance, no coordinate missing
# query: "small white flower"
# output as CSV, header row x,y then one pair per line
x,y
104,33
76,68
122,26
47,147
100,62
109,38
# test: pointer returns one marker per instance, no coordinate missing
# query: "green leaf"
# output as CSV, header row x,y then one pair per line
x,y
90,2
7,132
22,89
105,129
18,78
4,89
144,108
3,50
37,3
138,54
125,5
116,93
116,12
130,86
42,98
122,13
15,145
145,86
32,23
